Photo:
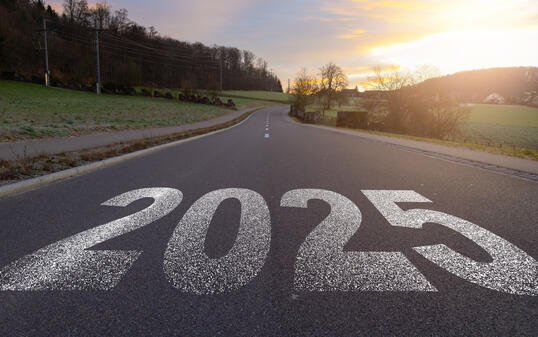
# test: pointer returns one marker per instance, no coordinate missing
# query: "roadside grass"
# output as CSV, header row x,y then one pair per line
x,y
507,135
509,151
27,168
33,111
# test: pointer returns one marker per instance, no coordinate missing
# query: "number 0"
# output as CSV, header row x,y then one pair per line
x,y
189,268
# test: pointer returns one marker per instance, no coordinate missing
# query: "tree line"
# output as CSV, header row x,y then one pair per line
x,y
130,54
397,104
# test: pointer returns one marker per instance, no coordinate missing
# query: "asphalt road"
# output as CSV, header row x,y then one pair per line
x,y
285,230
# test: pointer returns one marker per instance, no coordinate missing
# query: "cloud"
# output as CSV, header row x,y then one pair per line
x,y
466,49
355,34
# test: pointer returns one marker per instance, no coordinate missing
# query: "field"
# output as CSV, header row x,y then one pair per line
x,y
516,115
352,105
33,111
510,125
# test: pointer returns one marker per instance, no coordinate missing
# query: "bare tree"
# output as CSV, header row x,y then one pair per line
x,y
412,109
391,77
101,15
303,89
389,81
76,11
425,72
120,21
152,33
332,81
69,10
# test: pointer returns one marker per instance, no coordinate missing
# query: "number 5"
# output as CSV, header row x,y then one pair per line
x,y
512,271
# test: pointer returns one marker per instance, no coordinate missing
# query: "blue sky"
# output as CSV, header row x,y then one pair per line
x,y
356,34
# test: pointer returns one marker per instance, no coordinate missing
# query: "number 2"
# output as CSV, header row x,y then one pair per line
x,y
68,265
322,265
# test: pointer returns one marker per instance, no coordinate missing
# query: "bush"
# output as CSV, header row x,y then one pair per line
x,y
352,119
109,87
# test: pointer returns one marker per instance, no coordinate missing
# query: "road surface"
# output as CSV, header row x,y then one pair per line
x,y
273,228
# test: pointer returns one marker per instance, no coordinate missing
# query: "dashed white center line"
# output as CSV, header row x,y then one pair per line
x,y
267,127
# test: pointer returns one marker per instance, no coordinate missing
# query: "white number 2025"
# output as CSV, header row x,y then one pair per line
x,y
322,264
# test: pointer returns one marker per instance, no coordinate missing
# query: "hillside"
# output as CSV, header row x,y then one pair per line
x,y
130,54
517,85
33,111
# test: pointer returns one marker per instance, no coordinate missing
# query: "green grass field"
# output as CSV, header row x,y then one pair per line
x,y
516,115
259,95
33,111
511,125
353,105
244,99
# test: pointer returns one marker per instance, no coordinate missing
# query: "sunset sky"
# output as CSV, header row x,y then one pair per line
x,y
355,34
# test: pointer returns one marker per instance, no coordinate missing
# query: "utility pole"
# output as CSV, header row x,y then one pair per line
x,y
98,84
47,73
220,75
289,87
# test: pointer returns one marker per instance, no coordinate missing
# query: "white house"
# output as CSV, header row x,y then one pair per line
x,y
494,98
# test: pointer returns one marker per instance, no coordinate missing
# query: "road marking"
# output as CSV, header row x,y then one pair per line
x,y
511,270
187,265
321,263
70,264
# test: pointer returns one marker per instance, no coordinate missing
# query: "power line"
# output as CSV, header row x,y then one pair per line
x,y
155,51
120,51
125,48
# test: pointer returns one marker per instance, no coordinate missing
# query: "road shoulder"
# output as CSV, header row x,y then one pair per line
x,y
524,168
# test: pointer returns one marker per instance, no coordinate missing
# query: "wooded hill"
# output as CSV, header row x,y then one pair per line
x,y
515,84
130,54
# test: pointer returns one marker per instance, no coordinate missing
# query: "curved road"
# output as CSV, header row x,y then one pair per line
x,y
273,228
